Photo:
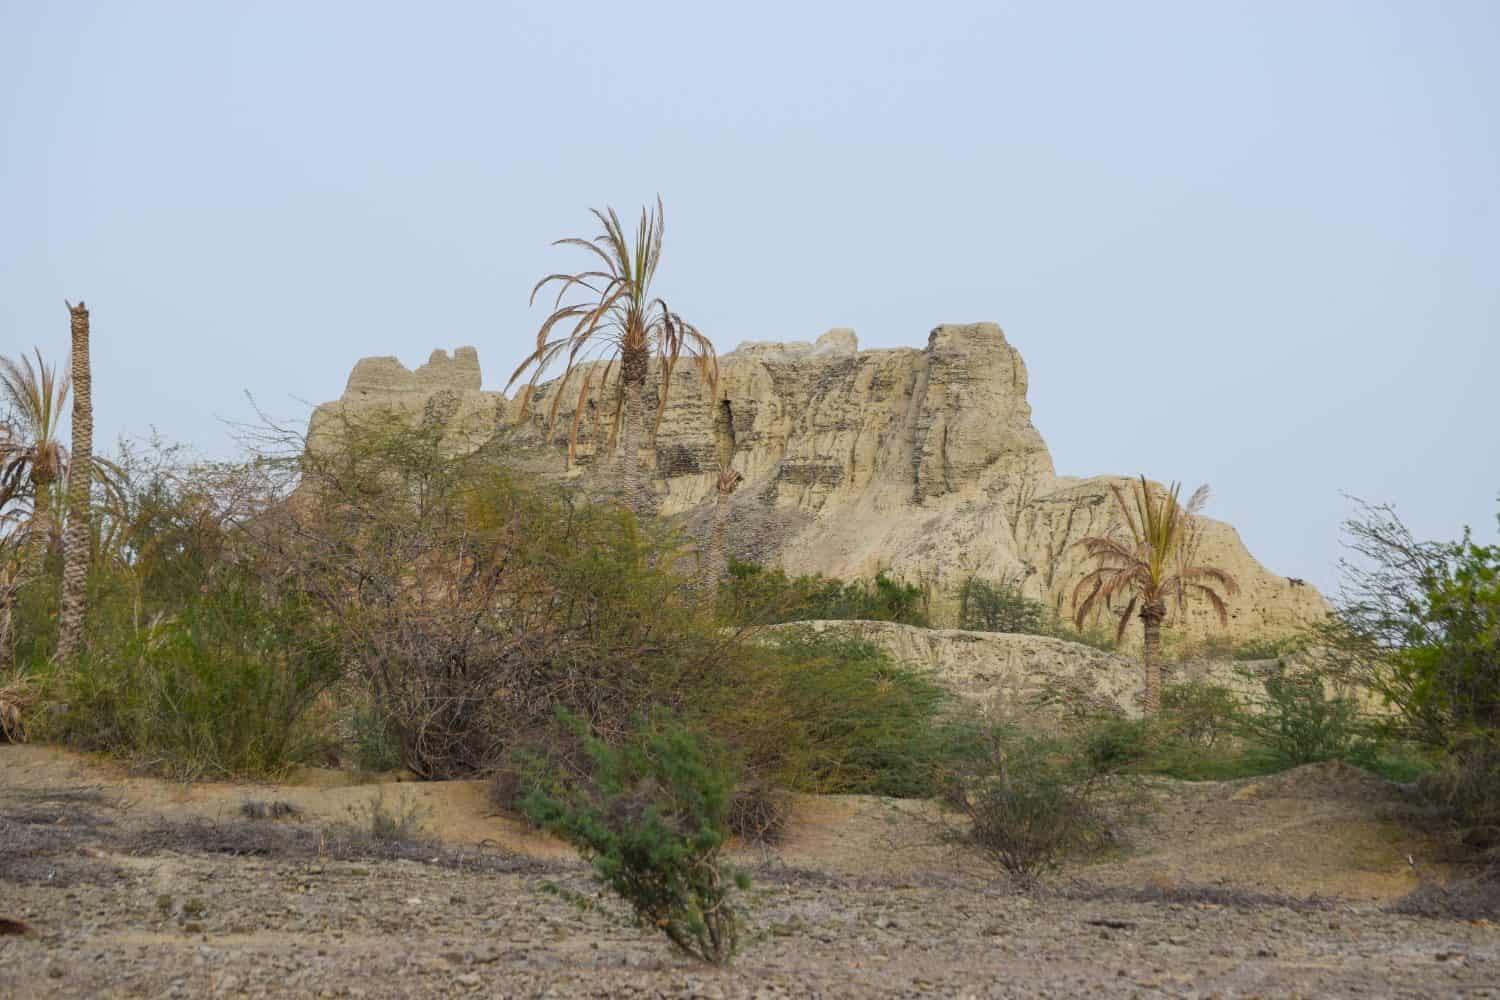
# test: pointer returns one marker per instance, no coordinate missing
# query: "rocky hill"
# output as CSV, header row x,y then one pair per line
x,y
920,462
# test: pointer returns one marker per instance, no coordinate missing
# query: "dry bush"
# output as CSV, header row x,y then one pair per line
x,y
1031,800
473,605
758,812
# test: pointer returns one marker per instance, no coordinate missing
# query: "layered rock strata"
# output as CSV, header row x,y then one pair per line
x,y
923,463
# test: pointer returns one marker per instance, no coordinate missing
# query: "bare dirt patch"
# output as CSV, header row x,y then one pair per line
x,y
130,887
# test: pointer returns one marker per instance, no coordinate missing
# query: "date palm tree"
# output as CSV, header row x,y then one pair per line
x,y
608,314
77,538
33,454
1155,565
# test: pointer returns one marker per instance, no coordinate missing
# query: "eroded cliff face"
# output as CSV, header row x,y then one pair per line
x,y
920,462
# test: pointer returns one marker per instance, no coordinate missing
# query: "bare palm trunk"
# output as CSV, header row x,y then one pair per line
x,y
1152,615
80,474
633,476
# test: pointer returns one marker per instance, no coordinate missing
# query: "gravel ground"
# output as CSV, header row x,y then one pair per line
x,y
124,901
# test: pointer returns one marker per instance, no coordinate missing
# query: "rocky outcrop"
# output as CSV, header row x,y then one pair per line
x,y
920,462
1025,677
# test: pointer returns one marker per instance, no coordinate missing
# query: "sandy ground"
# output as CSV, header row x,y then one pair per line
x,y
137,887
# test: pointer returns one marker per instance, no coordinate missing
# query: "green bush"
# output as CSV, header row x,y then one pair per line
x,y
374,744
837,716
1266,649
1032,800
752,594
1299,722
1198,714
220,688
652,815
987,606
1117,745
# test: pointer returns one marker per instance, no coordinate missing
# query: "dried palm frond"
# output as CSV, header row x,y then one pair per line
x,y
15,698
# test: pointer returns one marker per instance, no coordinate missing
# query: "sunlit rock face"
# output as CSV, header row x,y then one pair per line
x,y
922,462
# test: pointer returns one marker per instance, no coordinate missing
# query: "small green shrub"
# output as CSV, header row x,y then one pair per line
x,y
652,816
1266,649
1198,714
1222,647
1299,722
1031,800
988,606
1116,745
374,743
752,594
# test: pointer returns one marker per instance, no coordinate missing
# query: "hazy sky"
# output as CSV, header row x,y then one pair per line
x,y
1251,244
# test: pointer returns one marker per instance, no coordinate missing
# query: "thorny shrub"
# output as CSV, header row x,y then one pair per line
x,y
1031,800
652,815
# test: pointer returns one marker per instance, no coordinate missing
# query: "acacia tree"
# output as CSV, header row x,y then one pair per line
x,y
76,536
608,315
1155,565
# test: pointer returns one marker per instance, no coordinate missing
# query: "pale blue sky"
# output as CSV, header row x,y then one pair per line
x,y
1253,244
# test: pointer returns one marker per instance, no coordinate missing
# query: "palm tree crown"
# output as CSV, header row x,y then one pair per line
x,y
32,453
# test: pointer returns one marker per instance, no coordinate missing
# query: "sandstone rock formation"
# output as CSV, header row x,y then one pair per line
x,y
920,462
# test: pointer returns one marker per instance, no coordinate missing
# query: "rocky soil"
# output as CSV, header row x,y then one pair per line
x,y
134,888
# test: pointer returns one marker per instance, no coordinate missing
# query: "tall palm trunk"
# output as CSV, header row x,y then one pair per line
x,y
633,476
76,536
1153,613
